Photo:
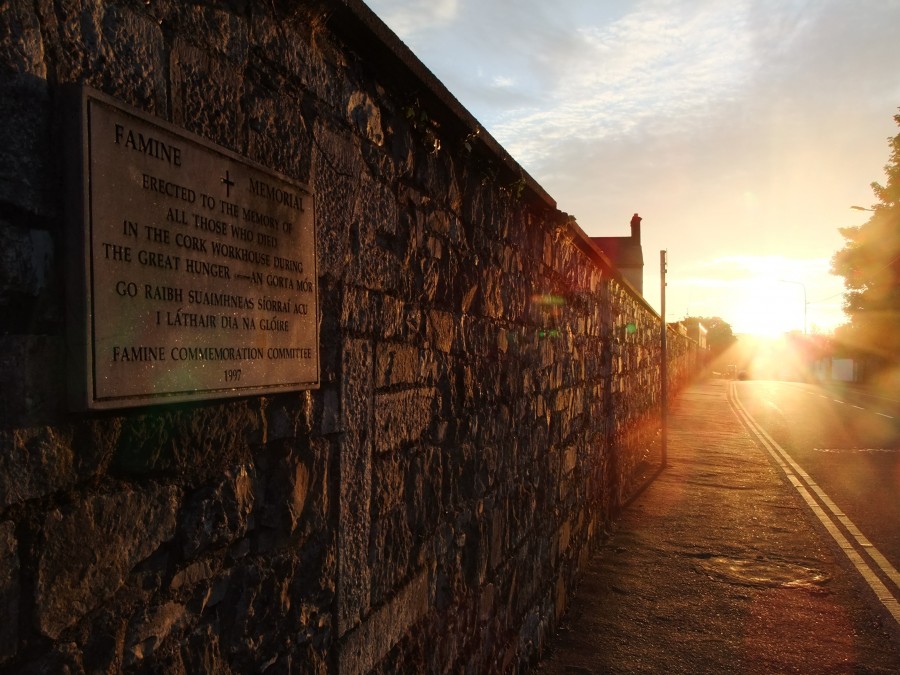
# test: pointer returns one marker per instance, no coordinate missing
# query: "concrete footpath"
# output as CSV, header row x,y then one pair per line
x,y
717,567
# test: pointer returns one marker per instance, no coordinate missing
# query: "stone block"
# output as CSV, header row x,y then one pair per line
x,y
427,279
364,648
135,51
561,598
498,536
438,279
278,138
287,481
149,629
335,170
569,459
378,203
476,548
22,49
194,442
364,114
202,650
492,301
64,657
388,473
403,365
26,262
192,575
392,553
440,330
25,148
355,479
88,550
439,221
34,462
424,485
398,321
435,172
401,418
379,270
206,95
9,591
292,417
220,29
564,537
487,603
218,515
297,55
108,47
101,636
360,310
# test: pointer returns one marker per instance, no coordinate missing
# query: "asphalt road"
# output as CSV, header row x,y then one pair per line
x,y
848,443
717,567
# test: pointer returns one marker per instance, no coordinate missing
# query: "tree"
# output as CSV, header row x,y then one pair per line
x,y
719,336
870,265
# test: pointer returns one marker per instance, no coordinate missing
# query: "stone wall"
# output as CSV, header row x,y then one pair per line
x,y
489,385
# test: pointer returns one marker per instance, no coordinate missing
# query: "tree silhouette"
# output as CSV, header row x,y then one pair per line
x,y
719,336
870,265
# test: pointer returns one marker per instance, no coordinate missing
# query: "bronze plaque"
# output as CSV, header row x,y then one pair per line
x,y
199,267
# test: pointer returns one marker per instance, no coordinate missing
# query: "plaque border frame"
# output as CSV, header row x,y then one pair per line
x,y
80,362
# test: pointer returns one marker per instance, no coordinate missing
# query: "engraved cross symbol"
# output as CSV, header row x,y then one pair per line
x,y
228,184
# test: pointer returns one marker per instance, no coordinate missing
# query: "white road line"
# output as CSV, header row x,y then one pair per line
x,y
803,483
836,401
858,407
886,567
883,415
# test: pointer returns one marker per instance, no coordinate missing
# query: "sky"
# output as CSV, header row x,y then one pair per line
x,y
742,131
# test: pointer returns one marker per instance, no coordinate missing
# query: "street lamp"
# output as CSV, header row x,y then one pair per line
x,y
805,304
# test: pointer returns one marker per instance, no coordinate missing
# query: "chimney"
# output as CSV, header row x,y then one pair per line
x,y
636,228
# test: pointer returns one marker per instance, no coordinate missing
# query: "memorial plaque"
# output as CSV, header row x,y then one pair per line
x,y
199,267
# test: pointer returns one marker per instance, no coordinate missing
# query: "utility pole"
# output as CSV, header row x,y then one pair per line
x,y
663,365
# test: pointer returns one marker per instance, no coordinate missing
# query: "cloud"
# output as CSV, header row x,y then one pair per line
x,y
664,65
758,268
409,18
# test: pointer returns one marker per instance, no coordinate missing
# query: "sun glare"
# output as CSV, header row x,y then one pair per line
x,y
763,307
762,295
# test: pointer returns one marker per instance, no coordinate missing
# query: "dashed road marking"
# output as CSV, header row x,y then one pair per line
x,y
883,415
848,451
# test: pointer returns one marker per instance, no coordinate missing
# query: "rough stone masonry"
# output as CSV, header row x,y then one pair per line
x,y
483,403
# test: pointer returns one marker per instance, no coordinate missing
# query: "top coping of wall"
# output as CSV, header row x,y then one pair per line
x,y
363,28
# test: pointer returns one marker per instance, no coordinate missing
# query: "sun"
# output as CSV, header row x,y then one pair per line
x,y
763,307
